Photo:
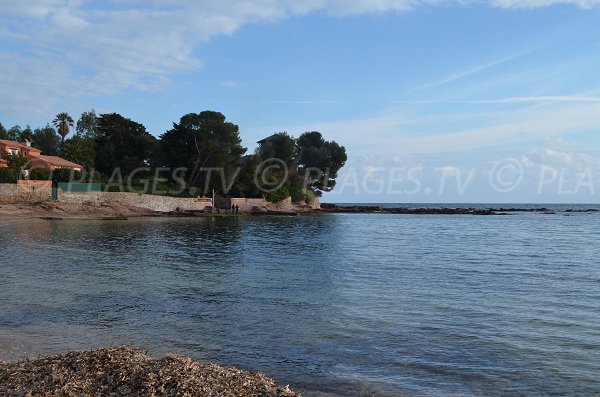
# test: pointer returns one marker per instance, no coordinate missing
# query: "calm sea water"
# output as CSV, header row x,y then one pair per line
x,y
338,304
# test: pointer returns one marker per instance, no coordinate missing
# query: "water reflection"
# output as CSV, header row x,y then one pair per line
x,y
333,305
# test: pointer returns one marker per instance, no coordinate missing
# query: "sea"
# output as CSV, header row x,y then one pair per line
x,y
332,304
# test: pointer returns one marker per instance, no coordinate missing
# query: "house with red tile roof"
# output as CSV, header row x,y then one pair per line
x,y
54,162
16,148
35,156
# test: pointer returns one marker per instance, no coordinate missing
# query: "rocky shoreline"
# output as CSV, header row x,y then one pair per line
x,y
128,372
358,209
71,211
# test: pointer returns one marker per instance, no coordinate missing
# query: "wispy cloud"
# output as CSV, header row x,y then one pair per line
x,y
521,125
230,84
394,133
468,72
543,3
510,100
70,48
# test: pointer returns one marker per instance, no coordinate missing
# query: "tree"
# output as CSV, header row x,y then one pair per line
x,y
87,125
3,134
122,143
26,134
14,133
245,184
319,161
46,139
278,165
15,162
63,122
80,151
208,146
280,146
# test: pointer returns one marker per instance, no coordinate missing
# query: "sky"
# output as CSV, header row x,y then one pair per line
x,y
434,100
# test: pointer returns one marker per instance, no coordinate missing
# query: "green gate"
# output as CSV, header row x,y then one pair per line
x,y
75,187
54,193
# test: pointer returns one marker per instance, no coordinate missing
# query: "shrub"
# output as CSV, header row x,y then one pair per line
x,y
8,175
115,188
296,193
39,174
278,195
66,175
96,177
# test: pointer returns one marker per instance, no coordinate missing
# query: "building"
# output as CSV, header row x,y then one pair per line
x,y
54,162
16,148
35,156
267,139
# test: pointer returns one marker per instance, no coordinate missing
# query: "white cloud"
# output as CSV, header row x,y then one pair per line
x,y
521,125
76,47
394,133
544,99
543,3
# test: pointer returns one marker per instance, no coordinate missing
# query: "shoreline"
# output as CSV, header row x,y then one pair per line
x,y
378,209
51,211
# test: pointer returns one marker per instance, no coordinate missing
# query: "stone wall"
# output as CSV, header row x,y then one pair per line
x,y
250,205
25,191
146,201
32,191
314,204
259,204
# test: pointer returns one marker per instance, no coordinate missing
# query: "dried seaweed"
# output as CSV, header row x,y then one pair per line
x,y
128,372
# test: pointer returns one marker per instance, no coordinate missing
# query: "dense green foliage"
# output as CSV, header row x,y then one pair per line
x,y
200,154
122,143
280,194
39,174
207,146
320,160
87,125
66,175
47,140
14,133
63,123
8,175
14,161
308,165
26,134
80,151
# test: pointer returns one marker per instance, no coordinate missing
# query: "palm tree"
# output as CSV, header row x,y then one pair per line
x,y
80,151
63,122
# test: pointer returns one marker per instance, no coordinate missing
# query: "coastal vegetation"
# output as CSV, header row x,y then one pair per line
x,y
63,122
202,152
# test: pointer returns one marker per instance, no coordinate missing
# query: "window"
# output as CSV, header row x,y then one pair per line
x,y
14,152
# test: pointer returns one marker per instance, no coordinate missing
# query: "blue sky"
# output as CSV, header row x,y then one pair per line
x,y
435,101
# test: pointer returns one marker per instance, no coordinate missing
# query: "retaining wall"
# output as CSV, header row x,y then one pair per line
x,y
32,191
259,204
249,204
25,191
147,201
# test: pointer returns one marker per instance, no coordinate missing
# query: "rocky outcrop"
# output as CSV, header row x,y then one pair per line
x,y
402,210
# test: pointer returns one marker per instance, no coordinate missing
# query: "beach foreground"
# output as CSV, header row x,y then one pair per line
x,y
125,371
